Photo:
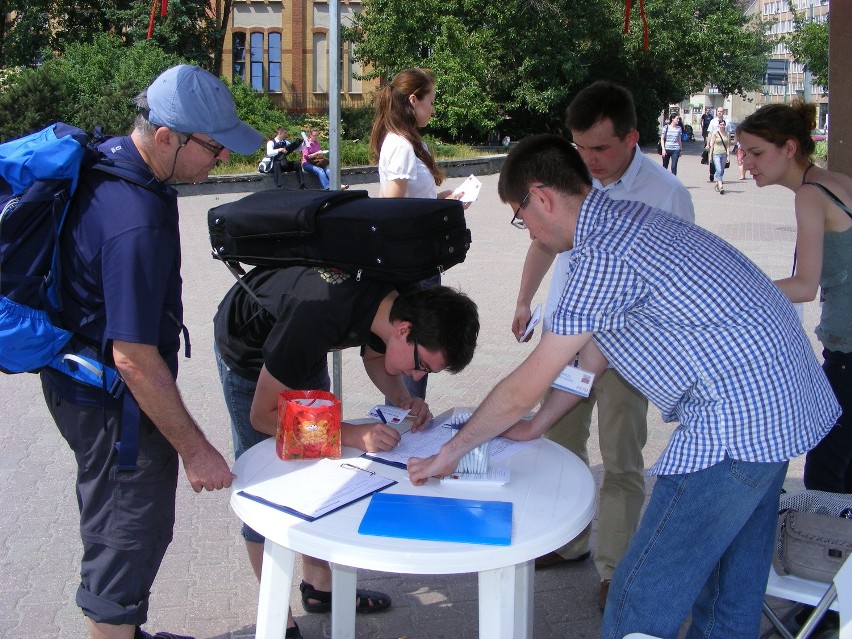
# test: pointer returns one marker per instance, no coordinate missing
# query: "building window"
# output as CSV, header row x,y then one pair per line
x,y
238,45
275,62
320,62
256,57
350,83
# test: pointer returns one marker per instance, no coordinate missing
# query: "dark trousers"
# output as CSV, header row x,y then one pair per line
x,y
283,165
827,466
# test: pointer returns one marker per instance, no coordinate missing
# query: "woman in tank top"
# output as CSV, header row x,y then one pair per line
x,y
777,149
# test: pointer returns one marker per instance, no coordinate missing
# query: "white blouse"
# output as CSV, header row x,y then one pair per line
x,y
398,162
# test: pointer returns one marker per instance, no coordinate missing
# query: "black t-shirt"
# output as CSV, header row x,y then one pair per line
x,y
706,119
306,313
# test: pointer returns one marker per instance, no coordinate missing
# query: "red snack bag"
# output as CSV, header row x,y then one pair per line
x,y
308,425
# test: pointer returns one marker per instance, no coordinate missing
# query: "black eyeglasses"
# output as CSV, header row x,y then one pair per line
x,y
215,149
418,365
516,222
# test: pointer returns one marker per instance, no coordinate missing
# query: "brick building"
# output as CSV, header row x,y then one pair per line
x,y
281,48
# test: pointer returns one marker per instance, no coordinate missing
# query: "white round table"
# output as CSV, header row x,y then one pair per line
x,y
553,497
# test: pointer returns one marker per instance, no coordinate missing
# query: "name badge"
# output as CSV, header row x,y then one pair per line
x,y
575,380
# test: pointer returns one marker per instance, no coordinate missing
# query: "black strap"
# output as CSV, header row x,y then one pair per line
x,y
236,273
721,139
831,196
292,146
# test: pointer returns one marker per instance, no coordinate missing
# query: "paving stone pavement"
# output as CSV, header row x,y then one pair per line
x,y
205,586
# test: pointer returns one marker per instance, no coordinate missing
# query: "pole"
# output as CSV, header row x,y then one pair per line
x,y
334,147
806,84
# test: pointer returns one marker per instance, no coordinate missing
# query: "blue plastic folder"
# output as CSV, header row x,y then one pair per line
x,y
438,519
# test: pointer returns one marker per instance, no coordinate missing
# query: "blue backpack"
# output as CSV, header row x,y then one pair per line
x,y
39,174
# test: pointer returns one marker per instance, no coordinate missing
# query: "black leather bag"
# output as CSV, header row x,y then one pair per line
x,y
705,157
388,239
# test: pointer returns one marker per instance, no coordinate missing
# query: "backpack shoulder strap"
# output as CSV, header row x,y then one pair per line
x,y
128,171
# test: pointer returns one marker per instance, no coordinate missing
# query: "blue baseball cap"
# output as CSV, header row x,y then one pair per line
x,y
189,99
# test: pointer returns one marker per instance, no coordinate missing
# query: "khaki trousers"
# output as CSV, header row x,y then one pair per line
x,y
622,431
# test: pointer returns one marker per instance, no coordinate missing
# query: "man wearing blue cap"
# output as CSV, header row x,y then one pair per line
x,y
121,256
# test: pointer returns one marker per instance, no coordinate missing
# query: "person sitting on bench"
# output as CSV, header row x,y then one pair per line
x,y
278,148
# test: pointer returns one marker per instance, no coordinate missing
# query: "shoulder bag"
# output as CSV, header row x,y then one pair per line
x,y
814,534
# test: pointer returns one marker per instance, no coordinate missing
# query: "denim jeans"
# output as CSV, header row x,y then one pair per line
x,y
239,394
705,545
719,160
828,466
674,156
320,172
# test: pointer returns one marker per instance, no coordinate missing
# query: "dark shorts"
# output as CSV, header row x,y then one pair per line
x,y
239,394
126,518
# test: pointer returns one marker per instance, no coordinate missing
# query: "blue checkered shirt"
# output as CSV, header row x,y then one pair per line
x,y
700,330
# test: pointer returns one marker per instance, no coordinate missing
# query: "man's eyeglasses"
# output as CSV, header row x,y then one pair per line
x,y
215,149
516,222
418,365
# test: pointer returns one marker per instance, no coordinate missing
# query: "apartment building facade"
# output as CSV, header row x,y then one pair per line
x,y
780,22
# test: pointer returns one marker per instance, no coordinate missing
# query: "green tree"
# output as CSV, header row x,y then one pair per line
x,y
188,29
102,78
518,63
809,45
90,84
33,29
438,35
29,101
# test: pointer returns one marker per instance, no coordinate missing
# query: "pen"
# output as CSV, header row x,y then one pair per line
x,y
353,467
381,416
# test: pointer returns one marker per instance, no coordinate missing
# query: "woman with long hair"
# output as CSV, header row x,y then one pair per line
x,y
406,168
405,105
777,148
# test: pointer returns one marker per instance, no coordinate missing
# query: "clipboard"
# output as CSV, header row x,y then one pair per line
x,y
438,519
317,489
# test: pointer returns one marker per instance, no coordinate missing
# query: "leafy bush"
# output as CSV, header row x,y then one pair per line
x,y
30,101
102,78
357,122
90,84
354,153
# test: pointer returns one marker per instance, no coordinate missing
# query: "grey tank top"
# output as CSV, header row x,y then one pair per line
x,y
835,325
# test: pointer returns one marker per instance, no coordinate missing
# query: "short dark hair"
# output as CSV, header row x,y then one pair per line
x,y
598,101
443,319
546,158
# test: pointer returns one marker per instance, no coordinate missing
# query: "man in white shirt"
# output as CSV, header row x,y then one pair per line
x,y
602,121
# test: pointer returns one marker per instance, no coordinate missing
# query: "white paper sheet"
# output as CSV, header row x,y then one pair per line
x,y
315,488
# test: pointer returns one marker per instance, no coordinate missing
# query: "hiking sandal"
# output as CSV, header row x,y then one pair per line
x,y
367,600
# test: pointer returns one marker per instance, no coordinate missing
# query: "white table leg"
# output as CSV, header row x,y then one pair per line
x,y
275,583
343,586
506,602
